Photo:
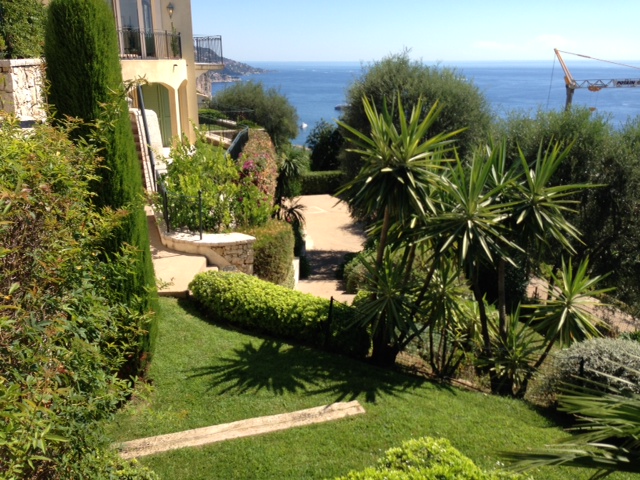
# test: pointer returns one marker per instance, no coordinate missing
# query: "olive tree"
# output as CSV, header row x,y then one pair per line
x,y
265,107
462,104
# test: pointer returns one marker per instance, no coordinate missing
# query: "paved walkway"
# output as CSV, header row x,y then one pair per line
x,y
331,234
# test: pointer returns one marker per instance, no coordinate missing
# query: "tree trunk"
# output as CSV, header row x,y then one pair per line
x,y
484,322
386,224
383,354
502,308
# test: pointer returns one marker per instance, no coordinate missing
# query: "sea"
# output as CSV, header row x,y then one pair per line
x,y
315,89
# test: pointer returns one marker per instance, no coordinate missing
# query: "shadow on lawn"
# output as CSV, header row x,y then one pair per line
x,y
281,368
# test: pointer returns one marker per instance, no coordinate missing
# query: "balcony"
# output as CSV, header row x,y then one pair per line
x,y
136,44
208,52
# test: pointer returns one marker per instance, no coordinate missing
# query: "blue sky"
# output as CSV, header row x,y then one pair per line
x,y
435,31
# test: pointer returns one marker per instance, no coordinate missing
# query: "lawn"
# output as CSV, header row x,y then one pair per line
x,y
204,374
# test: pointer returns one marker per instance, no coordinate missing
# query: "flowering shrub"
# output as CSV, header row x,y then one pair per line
x,y
428,459
231,196
258,162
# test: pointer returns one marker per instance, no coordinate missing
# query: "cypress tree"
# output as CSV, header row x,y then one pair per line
x,y
83,70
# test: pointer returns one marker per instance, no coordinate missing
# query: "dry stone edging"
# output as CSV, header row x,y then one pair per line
x,y
242,428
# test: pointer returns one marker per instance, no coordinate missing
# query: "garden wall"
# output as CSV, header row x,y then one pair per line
x,y
21,90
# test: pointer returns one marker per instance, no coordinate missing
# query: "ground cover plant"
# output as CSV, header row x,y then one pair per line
x,y
205,374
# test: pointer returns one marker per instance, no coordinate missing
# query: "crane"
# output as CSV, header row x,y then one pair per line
x,y
572,84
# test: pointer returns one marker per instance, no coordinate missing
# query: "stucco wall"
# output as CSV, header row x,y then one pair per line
x,y
21,91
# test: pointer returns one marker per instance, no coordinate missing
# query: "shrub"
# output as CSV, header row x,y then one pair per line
x,y
321,183
268,108
601,155
325,142
260,306
230,198
294,161
208,116
66,328
463,105
600,360
259,162
355,273
273,251
426,459
22,28
83,69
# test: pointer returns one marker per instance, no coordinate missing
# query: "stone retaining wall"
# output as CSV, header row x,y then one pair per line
x,y
21,92
223,250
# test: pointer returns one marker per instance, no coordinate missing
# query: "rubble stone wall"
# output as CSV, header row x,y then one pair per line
x,y
21,88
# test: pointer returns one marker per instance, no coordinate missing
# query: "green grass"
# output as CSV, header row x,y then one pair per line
x,y
204,375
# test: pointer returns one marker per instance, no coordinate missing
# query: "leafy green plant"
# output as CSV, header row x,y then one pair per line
x,y
66,326
85,82
22,28
401,167
251,303
268,108
606,433
325,142
321,183
429,459
603,363
273,251
463,107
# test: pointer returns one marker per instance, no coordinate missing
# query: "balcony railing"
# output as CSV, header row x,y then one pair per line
x,y
208,50
139,44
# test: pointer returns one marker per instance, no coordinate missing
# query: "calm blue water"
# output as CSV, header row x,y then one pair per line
x,y
314,89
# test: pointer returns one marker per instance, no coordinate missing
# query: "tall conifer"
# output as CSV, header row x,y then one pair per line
x,y
83,69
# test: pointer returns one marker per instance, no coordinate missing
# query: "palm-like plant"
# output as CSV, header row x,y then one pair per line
x,y
568,315
471,223
401,167
607,439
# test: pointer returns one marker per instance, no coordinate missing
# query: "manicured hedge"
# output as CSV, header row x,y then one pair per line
x,y
318,183
254,304
272,251
426,459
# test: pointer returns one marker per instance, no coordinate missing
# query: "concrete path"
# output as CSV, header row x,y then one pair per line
x,y
330,234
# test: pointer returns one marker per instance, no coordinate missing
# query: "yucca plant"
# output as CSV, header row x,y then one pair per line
x,y
568,315
607,435
401,166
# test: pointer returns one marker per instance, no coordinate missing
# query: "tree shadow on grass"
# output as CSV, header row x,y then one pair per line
x,y
281,368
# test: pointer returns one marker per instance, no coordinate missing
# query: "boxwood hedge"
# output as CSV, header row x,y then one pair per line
x,y
426,459
261,306
272,251
321,183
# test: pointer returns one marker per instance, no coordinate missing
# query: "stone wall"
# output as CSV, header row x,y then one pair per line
x,y
223,250
21,88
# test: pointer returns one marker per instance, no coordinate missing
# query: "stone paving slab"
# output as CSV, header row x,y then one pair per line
x,y
243,428
331,234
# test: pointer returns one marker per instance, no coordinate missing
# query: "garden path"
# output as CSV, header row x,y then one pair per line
x,y
330,235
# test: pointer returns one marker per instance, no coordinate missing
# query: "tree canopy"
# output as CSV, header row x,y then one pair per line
x,y
266,107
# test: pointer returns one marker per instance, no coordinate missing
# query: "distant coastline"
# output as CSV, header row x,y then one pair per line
x,y
233,72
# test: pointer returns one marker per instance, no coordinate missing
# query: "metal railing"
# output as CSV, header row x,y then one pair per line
x,y
208,50
136,44
189,212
